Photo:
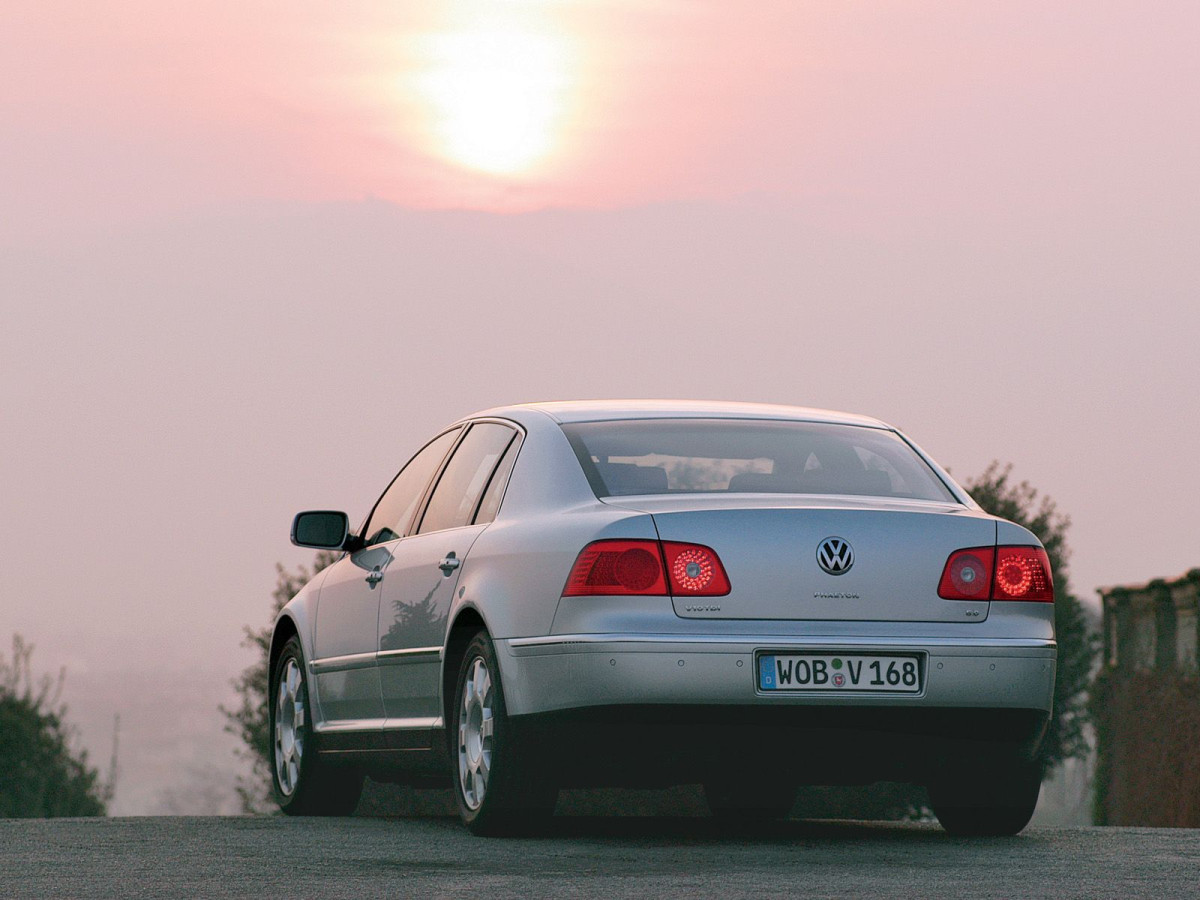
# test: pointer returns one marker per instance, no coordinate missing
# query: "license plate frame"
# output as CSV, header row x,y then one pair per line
x,y
832,672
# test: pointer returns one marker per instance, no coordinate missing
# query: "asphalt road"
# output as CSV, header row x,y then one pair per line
x,y
584,857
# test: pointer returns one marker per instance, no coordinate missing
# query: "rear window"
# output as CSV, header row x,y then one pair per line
x,y
690,456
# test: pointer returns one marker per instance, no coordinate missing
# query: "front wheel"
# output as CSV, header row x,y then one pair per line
x,y
303,784
499,784
997,800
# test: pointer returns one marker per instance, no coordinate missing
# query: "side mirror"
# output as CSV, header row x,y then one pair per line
x,y
321,529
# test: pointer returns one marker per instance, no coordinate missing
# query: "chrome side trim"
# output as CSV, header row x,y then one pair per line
x,y
412,724
348,726
414,654
775,640
343,663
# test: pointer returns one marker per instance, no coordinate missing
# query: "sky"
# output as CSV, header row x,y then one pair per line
x,y
253,254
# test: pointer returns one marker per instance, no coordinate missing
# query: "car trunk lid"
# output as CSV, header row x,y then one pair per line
x,y
890,555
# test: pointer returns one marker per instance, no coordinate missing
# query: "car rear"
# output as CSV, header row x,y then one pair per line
x,y
814,598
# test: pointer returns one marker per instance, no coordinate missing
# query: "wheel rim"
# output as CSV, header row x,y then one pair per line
x,y
290,709
475,727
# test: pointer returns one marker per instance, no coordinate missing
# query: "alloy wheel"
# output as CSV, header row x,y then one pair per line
x,y
475,731
290,710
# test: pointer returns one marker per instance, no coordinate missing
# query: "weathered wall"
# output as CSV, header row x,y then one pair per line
x,y
1148,743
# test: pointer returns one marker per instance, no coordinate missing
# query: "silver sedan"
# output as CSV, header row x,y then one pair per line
x,y
636,593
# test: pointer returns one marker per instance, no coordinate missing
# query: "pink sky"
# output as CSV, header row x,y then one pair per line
x,y
246,265
882,111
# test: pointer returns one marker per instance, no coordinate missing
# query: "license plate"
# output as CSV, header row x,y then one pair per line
x,y
845,672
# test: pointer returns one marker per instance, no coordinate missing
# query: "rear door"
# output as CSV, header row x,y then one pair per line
x,y
415,603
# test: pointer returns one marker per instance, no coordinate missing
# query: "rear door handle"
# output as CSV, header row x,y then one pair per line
x,y
449,564
374,577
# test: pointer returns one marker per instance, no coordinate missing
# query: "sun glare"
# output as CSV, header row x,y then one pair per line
x,y
497,97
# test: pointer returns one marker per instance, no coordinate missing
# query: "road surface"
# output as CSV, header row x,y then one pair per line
x,y
272,858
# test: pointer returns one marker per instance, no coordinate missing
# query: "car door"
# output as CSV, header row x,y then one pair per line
x,y
415,603
347,620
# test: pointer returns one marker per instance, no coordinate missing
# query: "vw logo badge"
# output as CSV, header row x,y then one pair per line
x,y
835,555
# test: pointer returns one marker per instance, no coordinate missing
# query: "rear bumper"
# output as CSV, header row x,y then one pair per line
x,y
628,710
565,672
658,746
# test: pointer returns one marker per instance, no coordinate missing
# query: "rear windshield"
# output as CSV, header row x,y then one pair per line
x,y
689,456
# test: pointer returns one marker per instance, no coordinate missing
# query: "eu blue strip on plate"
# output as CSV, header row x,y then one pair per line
x,y
766,673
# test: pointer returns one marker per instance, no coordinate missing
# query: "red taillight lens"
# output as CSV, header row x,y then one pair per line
x,y
968,574
695,571
617,567
640,568
1023,573
997,573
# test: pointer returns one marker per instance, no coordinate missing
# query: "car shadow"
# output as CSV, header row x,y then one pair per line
x,y
641,828
675,830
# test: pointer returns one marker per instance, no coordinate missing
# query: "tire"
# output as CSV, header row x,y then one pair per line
x,y
744,801
302,783
498,781
995,801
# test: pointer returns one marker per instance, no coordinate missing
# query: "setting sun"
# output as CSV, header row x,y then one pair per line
x,y
496,97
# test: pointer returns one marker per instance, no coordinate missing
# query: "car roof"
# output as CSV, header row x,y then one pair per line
x,y
567,411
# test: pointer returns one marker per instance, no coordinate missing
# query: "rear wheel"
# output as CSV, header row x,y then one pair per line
x,y
997,800
303,784
748,800
499,784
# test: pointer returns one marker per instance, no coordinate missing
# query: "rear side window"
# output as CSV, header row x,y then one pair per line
x,y
688,456
395,508
490,504
458,491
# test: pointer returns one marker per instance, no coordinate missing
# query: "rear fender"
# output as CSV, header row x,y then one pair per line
x,y
1023,617
515,572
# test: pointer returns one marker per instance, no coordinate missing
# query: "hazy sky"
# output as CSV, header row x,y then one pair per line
x,y
253,253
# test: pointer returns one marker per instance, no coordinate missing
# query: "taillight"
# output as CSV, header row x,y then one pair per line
x,y
968,574
695,571
997,573
642,568
617,567
1023,573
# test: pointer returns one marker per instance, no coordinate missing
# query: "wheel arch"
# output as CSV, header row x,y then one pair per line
x,y
285,629
467,621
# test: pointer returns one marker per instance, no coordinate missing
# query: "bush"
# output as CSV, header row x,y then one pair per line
x,y
41,775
